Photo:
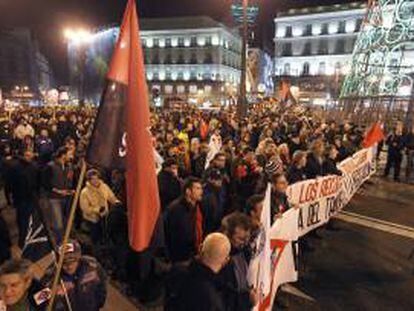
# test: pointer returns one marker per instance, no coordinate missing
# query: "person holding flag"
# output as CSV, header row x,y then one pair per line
x,y
121,139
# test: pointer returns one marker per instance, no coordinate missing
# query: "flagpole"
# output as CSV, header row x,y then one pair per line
x,y
67,235
52,243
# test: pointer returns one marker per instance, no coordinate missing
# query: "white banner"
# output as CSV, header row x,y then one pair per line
x,y
318,200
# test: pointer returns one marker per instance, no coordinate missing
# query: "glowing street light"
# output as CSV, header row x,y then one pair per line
x,y
80,38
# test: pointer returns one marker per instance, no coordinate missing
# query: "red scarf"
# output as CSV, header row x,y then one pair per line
x,y
199,227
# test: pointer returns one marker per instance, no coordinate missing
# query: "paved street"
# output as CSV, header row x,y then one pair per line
x,y
363,266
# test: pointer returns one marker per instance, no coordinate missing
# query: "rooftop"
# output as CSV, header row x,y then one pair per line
x,y
186,22
324,9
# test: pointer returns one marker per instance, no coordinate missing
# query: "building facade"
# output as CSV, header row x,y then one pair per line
x,y
24,70
313,48
191,59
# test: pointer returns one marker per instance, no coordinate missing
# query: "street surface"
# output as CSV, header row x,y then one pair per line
x,y
365,265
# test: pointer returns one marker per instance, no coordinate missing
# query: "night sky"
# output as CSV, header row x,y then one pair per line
x,y
48,18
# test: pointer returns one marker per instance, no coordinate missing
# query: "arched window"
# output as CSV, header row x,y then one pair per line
x,y
305,70
286,70
322,68
338,68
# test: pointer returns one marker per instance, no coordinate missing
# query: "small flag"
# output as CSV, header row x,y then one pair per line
x,y
36,244
373,136
122,138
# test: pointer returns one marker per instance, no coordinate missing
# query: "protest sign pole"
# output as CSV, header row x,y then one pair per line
x,y
67,235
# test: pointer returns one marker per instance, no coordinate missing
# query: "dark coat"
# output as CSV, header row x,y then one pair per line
x,y
329,167
169,188
396,144
199,290
233,282
180,230
25,181
86,288
295,174
313,167
212,208
5,242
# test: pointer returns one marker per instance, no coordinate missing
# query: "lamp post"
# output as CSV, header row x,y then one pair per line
x,y
80,38
242,101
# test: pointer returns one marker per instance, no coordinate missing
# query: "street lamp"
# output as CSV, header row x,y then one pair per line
x,y
242,102
80,38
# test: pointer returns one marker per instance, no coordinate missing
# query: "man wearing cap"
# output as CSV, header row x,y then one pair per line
x,y
213,203
83,278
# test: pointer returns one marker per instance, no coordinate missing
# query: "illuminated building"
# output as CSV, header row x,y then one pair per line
x,y
313,48
24,70
193,59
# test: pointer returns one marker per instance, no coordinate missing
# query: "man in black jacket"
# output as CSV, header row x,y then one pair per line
x,y
296,171
214,201
199,288
184,222
238,294
25,189
314,165
409,144
395,144
168,183
329,165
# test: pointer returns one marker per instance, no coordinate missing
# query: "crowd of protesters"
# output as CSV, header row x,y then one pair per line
x,y
213,172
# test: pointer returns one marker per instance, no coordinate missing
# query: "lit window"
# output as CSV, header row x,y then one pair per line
x,y
161,43
168,89
201,41
180,89
280,32
149,76
174,42
200,76
161,75
187,42
350,26
316,29
322,68
215,40
186,75
333,28
156,42
150,43
192,89
174,75
297,31
208,89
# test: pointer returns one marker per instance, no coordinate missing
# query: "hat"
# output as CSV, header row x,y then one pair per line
x,y
273,167
72,250
215,174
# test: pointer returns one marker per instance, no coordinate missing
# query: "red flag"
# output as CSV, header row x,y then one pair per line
x,y
374,135
127,143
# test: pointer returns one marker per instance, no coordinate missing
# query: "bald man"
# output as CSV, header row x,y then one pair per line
x,y
198,287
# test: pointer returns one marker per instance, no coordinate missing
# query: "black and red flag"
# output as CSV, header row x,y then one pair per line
x,y
121,137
